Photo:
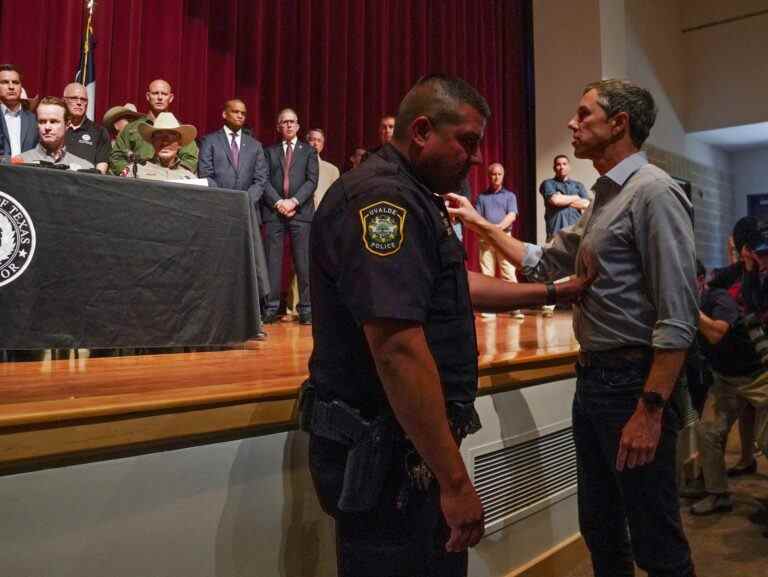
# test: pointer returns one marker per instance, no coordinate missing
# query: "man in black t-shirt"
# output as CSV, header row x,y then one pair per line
x,y
85,138
739,380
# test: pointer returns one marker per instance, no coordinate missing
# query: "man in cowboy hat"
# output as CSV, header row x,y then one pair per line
x,y
130,146
118,117
166,137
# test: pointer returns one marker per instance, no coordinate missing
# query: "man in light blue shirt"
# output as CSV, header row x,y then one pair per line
x,y
635,324
18,127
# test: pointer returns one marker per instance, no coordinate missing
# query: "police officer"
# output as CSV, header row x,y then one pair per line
x,y
393,374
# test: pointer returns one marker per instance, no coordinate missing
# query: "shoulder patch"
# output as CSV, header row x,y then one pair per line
x,y
383,227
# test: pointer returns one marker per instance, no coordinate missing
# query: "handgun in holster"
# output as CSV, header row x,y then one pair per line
x,y
369,443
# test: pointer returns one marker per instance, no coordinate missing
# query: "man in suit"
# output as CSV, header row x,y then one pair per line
x,y
18,127
288,206
230,158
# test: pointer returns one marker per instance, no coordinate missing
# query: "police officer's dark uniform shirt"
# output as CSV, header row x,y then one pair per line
x,y
382,247
89,141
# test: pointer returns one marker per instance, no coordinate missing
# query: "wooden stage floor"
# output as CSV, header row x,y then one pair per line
x,y
74,405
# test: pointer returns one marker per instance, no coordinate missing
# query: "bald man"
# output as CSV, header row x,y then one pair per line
x,y
84,137
130,146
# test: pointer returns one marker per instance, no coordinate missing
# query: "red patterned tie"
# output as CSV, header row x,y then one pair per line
x,y
287,169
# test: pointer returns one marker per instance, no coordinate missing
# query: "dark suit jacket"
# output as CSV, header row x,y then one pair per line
x,y
215,164
29,134
304,172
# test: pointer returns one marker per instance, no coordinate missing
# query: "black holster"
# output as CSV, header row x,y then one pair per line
x,y
370,444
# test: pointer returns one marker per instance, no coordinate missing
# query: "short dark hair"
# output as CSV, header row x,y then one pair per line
x,y
615,96
54,101
565,156
320,130
438,96
10,68
744,229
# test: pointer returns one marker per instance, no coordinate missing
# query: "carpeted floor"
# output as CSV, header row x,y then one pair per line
x,y
728,544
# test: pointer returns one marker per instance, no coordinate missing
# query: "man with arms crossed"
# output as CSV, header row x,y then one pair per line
x,y
634,324
393,373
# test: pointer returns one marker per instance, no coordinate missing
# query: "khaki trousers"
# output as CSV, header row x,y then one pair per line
x,y
491,260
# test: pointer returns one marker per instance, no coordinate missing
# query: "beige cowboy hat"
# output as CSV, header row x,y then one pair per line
x,y
115,113
167,121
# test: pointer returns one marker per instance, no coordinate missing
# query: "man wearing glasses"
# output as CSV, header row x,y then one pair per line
x,y
85,138
288,207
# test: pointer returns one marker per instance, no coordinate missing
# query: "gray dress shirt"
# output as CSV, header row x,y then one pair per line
x,y
639,231
39,153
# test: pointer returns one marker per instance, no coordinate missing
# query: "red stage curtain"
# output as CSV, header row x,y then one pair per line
x,y
340,64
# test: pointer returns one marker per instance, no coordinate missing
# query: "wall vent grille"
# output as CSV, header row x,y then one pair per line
x,y
526,476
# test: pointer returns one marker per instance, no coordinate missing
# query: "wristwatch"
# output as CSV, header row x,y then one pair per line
x,y
653,400
551,293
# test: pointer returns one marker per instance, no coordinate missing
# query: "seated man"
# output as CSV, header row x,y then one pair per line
x,y
130,145
52,130
118,117
167,137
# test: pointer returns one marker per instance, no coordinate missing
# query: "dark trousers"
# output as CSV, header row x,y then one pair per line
x,y
274,236
633,514
388,541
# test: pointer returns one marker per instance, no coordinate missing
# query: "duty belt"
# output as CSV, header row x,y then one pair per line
x,y
371,444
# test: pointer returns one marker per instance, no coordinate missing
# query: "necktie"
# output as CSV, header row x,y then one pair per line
x,y
235,150
286,169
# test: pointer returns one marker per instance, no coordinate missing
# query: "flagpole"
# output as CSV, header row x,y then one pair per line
x,y
89,6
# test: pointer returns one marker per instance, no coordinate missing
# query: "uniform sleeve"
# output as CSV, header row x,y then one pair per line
x,y
388,258
582,191
664,239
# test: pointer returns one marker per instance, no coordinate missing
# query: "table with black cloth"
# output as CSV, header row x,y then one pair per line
x,y
128,263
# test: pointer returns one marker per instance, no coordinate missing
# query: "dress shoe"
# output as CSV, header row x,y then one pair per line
x,y
739,470
260,336
692,491
713,504
270,318
305,319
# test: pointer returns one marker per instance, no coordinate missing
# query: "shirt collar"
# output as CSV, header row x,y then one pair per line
x,y
622,171
292,141
83,125
57,156
8,112
228,131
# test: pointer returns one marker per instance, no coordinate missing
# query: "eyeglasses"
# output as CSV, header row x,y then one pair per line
x,y
289,121
76,98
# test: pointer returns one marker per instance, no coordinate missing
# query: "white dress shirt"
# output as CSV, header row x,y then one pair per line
x,y
13,122
238,137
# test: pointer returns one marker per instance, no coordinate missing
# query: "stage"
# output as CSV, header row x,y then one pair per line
x,y
79,409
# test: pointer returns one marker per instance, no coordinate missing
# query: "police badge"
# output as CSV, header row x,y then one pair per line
x,y
383,226
17,239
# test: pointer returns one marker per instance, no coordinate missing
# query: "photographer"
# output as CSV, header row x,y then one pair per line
x,y
738,352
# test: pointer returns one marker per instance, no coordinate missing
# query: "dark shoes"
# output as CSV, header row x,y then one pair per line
x,y
712,504
305,319
738,471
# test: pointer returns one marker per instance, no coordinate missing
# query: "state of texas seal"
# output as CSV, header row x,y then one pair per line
x,y
17,239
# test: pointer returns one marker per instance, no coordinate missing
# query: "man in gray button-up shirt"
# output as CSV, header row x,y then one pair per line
x,y
634,324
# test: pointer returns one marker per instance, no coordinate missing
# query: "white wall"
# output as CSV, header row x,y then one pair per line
x,y
567,55
749,177
726,64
